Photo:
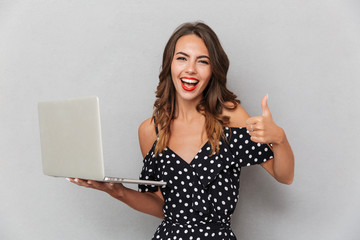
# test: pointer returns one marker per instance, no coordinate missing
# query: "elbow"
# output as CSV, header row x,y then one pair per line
x,y
285,180
285,177
288,182
161,216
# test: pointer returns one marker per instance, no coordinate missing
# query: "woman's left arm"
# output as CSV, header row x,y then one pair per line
x,y
263,129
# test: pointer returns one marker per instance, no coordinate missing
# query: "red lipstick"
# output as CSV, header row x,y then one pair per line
x,y
193,84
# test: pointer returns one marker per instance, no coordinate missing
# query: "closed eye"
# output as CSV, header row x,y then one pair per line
x,y
181,58
204,62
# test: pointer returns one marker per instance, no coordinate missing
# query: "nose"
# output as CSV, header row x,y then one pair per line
x,y
191,67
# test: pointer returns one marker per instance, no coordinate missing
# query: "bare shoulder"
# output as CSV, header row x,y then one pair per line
x,y
147,135
238,115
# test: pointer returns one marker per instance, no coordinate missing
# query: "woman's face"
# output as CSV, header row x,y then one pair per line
x,y
190,68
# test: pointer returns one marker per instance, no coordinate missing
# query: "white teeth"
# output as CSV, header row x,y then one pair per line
x,y
189,80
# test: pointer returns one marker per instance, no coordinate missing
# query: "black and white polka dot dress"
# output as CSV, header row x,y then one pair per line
x,y
200,196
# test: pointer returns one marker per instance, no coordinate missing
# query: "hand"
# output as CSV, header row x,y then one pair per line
x,y
263,129
114,189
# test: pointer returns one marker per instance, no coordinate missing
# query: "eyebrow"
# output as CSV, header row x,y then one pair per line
x,y
187,55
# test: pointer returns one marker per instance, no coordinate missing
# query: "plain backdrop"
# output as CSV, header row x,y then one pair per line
x,y
304,54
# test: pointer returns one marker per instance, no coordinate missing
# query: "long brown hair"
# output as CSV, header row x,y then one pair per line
x,y
215,96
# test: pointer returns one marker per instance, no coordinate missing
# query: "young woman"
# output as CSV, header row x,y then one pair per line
x,y
197,140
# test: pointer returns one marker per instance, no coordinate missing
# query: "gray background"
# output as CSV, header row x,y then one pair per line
x,y
305,54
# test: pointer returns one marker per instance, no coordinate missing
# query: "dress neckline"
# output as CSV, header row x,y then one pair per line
x,y
200,150
195,157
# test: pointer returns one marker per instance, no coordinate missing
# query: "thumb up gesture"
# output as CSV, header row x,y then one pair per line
x,y
263,129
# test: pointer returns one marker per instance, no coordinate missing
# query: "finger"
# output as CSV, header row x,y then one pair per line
x,y
253,120
265,107
73,180
110,185
256,125
93,184
257,139
81,182
96,185
251,128
257,133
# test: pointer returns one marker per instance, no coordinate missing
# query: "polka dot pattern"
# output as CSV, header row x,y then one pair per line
x,y
200,196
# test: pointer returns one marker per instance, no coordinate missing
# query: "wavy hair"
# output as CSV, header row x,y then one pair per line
x,y
215,97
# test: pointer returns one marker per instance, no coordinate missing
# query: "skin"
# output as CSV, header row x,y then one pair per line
x,y
187,129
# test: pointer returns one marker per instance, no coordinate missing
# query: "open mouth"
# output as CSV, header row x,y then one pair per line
x,y
189,84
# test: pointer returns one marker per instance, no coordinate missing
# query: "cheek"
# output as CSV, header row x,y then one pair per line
x,y
207,76
173,70
174,76
207,72
207,84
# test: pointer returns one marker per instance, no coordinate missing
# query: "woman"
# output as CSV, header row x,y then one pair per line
x,y
197,140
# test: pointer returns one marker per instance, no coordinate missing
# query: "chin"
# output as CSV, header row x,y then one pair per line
x,y
189,96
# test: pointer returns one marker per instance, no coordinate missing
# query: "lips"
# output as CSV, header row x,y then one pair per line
x,y
189,83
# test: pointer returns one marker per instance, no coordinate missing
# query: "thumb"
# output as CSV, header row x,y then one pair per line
x,y
265,107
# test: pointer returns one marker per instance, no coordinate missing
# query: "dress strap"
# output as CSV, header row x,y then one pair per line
x,y
156,128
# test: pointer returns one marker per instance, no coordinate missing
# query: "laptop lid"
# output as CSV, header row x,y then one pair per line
x,y
70,134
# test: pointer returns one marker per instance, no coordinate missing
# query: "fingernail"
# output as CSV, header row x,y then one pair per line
x,y
68,179
76,180
267,96
89,182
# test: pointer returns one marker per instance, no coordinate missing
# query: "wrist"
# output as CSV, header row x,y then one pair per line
x,y
281,138
118,191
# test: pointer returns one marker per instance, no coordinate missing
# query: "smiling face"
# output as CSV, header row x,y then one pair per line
x,y
190,68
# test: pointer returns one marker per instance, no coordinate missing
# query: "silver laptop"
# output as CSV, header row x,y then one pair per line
x,y
71,145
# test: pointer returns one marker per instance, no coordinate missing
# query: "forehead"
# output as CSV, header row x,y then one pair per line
x,y
191,44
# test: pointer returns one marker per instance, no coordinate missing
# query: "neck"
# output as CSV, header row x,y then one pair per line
x,y
186,110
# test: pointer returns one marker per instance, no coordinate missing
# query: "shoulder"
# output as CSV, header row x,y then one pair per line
x,y
147,128
147,135
238,115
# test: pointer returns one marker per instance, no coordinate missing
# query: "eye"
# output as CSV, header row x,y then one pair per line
x,y
181,58
204,62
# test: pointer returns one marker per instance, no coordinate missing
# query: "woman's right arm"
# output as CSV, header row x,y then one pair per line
x,y
150,203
